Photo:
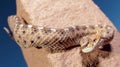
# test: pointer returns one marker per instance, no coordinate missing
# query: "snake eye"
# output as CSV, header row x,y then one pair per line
x,y
94,40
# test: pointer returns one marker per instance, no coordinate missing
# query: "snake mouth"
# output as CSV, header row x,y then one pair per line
x,y
92,46
91,42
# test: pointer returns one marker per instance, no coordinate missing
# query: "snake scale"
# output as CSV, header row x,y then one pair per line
x,y
56,39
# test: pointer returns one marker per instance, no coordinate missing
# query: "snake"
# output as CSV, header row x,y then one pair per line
x,y
88,37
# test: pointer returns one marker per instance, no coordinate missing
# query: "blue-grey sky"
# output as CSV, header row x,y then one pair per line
x,y
112,10
10,52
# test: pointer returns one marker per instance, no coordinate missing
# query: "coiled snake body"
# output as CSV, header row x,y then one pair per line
x,y
88,37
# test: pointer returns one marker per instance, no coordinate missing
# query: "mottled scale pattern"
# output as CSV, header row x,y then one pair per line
x,y
27,35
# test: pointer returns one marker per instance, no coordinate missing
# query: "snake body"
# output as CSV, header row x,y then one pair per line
x,y
87,37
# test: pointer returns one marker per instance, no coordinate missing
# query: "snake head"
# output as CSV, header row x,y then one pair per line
x,y
102,36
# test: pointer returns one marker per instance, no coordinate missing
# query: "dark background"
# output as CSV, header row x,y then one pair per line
x,y
10,52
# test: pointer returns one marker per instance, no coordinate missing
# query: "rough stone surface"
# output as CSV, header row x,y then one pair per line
x,y
59,13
